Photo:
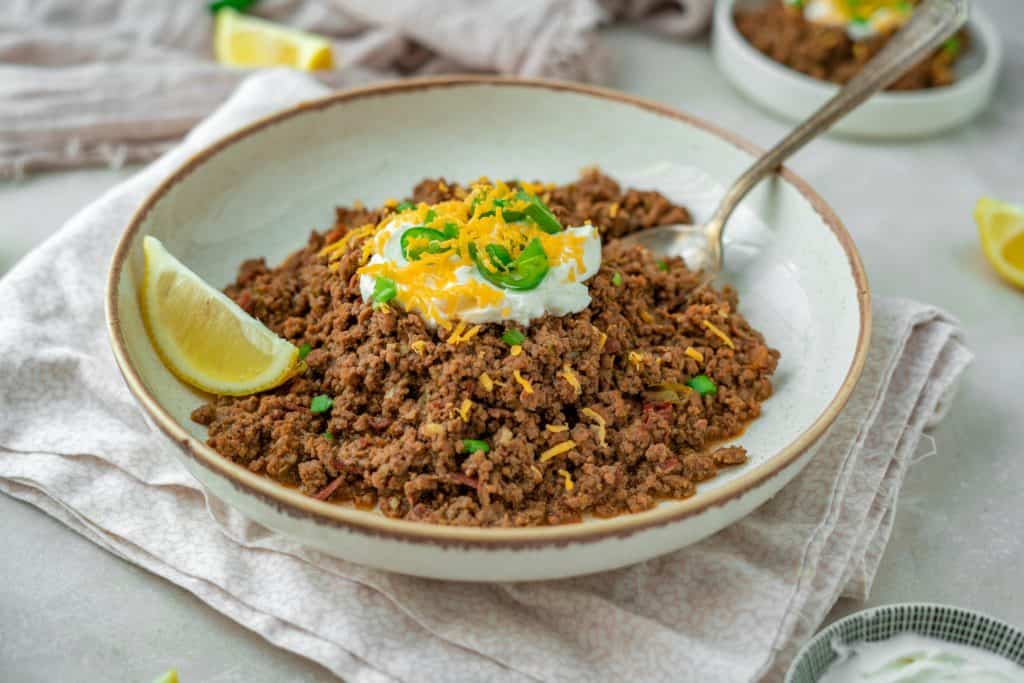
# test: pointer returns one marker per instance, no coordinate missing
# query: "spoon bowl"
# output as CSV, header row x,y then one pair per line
x,y
692,243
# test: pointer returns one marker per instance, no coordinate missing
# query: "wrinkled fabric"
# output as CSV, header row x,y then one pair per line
x,y
734,607
115,81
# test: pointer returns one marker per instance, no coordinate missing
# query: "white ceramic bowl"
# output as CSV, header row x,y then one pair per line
x,y
259,191
794,96
944,622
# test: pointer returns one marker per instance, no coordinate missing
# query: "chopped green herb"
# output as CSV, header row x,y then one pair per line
x,y
431,215
703,385
405,206
952,46
617,279
304,351
329,436
321,403
384,290
663,266
237,5
513,337
474,445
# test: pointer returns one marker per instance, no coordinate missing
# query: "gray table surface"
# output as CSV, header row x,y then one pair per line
x,y
70,611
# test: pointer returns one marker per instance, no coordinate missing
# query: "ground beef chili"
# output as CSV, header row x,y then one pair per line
x,y
827,53
394,434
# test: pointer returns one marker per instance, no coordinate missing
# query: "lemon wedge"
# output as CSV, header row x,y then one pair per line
x,y
1001,227
241,40
205,338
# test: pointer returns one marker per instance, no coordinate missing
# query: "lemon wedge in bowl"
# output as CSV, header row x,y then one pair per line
x,y
204,337
241,40
1001,228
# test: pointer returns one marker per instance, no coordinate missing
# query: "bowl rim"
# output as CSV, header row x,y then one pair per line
x,y
292,503
992,58
838,624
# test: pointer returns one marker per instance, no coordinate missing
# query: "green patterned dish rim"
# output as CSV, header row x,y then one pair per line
x,y
953,624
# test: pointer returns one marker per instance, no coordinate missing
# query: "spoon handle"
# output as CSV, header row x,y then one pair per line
x,y
931,23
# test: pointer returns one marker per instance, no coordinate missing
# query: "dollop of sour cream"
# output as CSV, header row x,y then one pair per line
x,y
911,658
496,253
562,291
861,20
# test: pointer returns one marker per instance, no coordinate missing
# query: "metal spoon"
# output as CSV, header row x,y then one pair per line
x,y
700,246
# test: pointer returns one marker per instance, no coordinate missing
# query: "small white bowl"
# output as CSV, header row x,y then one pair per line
x,y
944,622
795,96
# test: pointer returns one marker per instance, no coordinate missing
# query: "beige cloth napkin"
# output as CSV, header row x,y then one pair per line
x,y
110,81
731,608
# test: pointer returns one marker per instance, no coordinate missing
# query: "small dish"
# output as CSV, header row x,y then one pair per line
x,y
944,622
888,115
260,190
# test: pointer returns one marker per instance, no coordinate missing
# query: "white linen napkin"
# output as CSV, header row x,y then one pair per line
x,y
110,81
732,608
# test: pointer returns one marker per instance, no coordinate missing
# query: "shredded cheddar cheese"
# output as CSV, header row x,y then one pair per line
x,y
419,346
486,382
601,338
336,249
694,354
391,202
647,317
600,427
556,429
613,210
523,382
464,409
571,378
555,451
721,335
569,486
456,336
636,358
515,350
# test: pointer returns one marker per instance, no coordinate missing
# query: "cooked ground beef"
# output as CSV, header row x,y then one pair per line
x,y
828,53
394,435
